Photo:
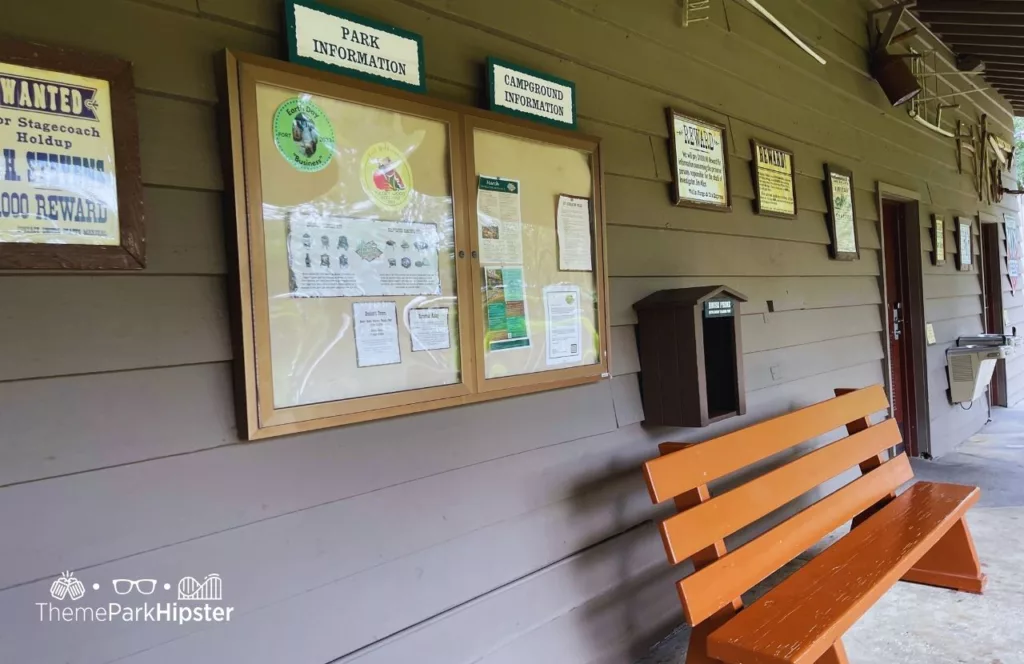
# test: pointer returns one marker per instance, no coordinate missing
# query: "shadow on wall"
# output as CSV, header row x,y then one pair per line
x,y
631,599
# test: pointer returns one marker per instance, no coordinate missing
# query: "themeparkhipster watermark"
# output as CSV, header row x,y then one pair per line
x,y
193,603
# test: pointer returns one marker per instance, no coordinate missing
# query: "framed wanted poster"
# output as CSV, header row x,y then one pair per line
x,y
70,180
938,240
964,244
700,158
774,180
842,215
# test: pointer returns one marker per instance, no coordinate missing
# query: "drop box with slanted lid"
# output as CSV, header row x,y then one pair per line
x,y
691,356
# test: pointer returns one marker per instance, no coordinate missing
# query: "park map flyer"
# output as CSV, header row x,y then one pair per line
x,y
57,171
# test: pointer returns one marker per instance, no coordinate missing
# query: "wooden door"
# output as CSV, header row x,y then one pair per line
x,y
992,290
893,218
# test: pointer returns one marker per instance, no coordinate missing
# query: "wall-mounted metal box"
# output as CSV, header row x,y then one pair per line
x,y
691,356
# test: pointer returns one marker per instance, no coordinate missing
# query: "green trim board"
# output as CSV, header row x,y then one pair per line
x,y
340,42
531,94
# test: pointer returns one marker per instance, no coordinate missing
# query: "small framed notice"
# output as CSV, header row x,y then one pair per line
x,y
700,154
938,240
842,215
574,234
965,246
774,180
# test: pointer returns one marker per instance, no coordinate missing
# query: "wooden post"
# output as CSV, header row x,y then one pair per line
x,y
868,464
952,563
834,655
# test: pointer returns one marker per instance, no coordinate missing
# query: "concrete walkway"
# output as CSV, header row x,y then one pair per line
x,y
915,624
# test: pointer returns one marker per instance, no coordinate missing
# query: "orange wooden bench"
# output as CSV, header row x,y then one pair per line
x,y
918,536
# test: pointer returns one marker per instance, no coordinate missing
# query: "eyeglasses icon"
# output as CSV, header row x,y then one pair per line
x,y
144,586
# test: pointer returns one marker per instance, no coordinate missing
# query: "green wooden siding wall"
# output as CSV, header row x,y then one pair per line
x,y
440,537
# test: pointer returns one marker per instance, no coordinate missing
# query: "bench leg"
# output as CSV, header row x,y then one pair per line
x,y
697,651
834,655
951,563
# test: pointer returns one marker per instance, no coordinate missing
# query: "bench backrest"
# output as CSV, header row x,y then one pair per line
x,y
698,531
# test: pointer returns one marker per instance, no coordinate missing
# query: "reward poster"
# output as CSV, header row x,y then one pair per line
x,y
57,175
701,176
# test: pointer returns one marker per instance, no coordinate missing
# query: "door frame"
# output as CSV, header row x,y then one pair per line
x,y
915,377
992,302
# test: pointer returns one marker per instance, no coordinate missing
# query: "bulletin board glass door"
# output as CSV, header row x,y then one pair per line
x,y
538,255
353,212
399,254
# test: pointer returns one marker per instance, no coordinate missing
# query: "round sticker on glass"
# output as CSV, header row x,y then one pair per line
x,y
386,176
303,135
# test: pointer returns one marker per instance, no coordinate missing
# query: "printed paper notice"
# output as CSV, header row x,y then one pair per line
x,y
376,326
775,189
499,219
842,206
573,222
429,329
362,257
562,318
504,297
965,244
58,175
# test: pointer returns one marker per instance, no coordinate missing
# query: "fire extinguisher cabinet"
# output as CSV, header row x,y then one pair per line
x,y
691,356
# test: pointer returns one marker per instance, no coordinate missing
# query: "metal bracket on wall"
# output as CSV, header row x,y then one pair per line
x,y
918,107
881,40
695,11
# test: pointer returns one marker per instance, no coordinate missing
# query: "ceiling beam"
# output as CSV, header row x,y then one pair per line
x,y
967,42
1012,73
1002,63
997,81
975,20
994,51
967,30
999,7
1005,90
1004,71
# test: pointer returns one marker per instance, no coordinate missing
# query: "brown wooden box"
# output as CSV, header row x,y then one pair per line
x,y
691,356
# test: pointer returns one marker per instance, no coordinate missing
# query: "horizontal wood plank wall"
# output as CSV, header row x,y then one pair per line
x,y
1013,317
380,527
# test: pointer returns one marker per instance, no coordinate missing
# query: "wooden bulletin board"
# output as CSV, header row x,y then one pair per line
x,y
369,281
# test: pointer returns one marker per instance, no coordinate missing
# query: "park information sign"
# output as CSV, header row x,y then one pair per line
x,y
525,93
334,40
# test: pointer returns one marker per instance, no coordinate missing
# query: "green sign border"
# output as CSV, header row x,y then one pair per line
x,y
493,105
293,55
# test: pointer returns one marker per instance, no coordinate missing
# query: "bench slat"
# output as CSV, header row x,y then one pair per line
x,y
688,532
671,475
798,620
707,590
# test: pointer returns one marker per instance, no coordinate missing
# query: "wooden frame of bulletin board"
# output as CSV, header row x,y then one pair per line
x,y
399,254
